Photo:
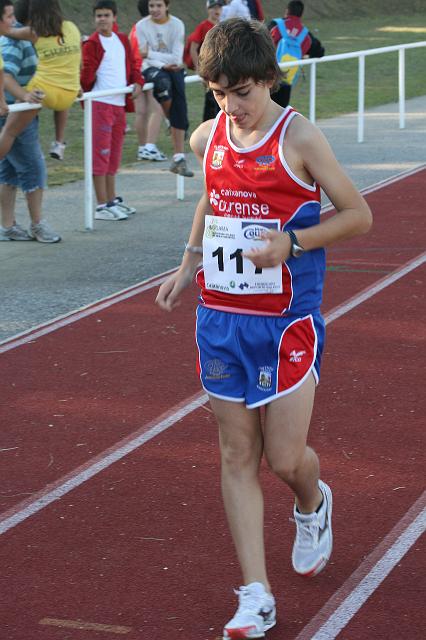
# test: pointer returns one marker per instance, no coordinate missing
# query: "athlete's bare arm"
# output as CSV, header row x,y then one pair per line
x,y
310,158
169,292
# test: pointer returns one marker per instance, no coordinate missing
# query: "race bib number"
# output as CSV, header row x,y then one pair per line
x,y
225,268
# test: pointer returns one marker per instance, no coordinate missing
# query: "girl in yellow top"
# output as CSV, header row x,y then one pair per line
x,y
57,42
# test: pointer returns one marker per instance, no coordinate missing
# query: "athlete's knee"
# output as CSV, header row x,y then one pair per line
x,y
162,86
239,458
286,466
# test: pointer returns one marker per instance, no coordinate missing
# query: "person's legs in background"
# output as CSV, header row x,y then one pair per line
x,y
179,124
211,108
282,96
148,119
57,148
24,167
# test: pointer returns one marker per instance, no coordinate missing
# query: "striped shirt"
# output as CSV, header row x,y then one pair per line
x,y
20,61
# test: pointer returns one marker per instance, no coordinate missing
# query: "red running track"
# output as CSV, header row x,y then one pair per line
x,y
141,549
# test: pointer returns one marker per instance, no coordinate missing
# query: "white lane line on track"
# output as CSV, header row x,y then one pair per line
x,y
61,321
382,184
82,474
346,602
372,290
74,479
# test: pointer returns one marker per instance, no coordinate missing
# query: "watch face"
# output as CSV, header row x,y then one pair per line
x,y
296,251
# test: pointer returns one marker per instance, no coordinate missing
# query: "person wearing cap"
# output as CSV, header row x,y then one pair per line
x,y
214,12
235,9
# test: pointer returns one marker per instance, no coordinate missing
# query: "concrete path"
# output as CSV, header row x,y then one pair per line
x,y
40,282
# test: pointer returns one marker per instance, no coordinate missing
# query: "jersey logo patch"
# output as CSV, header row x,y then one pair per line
x,y
265,378
296,356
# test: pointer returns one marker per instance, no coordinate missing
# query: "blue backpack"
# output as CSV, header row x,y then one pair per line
x,y
289,49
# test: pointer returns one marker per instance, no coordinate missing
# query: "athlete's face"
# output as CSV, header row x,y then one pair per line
x,y
245,103
104,21
157,10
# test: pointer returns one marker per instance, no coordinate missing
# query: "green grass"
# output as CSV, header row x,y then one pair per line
x,y
336,81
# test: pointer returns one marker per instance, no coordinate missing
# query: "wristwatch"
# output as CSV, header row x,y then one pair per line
x,y
296,249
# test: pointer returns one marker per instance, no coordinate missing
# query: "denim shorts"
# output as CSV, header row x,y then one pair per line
x,y
24,165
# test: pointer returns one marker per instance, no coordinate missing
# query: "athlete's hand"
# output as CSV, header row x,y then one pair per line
x,y
170,291
274,252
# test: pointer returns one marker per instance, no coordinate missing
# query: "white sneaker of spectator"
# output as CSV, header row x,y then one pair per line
x,y
111,212
150,152
57,150
15,232
43,232
118,202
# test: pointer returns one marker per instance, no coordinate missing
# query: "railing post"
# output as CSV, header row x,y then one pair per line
x,y
312,91
401,87
88,165
180,187
361,97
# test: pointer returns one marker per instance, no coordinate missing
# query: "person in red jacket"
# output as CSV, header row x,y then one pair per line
x,y
108,63
214,11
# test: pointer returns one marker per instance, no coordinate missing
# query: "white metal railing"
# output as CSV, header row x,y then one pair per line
x,y
312,62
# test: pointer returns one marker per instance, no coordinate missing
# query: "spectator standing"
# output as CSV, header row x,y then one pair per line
x,y
256,9
108,63
294,26
148,112
57,43
235,9
259,326
214,11
161,41
24,165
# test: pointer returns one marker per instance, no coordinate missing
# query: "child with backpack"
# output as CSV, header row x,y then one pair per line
x,y
292,41
192,47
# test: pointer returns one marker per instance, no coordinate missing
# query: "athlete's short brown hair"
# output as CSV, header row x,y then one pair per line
x,y
240,50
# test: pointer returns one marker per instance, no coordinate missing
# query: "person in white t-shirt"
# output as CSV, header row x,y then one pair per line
x,y
235,9
161,41
108,63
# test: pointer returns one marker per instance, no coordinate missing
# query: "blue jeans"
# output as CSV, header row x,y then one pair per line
x,y
24,165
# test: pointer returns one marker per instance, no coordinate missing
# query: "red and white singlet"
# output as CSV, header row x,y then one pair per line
x,y
252,190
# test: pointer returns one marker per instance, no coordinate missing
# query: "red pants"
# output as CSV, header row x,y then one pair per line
x,y
109,126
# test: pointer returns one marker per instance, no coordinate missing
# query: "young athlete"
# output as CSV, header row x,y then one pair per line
x,y
259,328
57,43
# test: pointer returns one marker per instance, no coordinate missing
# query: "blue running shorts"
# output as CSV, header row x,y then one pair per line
x,y
256,359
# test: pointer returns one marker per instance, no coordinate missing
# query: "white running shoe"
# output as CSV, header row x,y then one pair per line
x,y
314,537
113,213
119,202
155,155
57,150
255,614
15,232
43,232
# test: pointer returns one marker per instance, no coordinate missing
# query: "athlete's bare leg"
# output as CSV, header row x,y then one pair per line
x,y
241,444
286,429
